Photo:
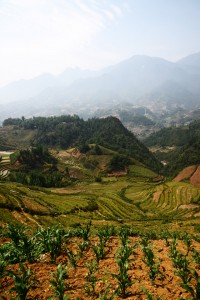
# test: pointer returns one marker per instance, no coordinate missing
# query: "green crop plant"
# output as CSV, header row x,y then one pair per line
x,y
188,242
15,233
173,251
150,261
106,295
144,242
82,247
73,258
105,233
123,261
124,234
58,283
196,257
84,232
23,281
99,251
51,239
30,248
194,290
166,235
181,262
3,265
91,278
149,296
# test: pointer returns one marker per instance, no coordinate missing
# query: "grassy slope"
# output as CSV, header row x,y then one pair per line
x,y
128,198
136,197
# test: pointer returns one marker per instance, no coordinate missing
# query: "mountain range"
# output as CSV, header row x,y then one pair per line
x,y
151,82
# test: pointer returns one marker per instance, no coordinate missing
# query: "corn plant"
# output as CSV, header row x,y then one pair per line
x,y
182,265
150,261
196,257
15,233
84,232
58,283
166,235
99,251
3,265
124,233
52,240
73,258
123,278
91,278
82,247
149,296
105,233
106,295
193,290
23,281
188,242
30,248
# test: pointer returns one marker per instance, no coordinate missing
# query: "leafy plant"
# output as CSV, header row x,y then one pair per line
x,y
188,242
123,278
82,247
106,295
73,258
196,257
193,290
149,296
52,240
58,283
84,232
23,281
99,250
91,278
150,261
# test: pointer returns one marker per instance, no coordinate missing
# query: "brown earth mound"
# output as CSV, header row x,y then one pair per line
x,y
195,179
185,173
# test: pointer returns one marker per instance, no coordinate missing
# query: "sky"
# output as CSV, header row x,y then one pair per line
x,y
38,36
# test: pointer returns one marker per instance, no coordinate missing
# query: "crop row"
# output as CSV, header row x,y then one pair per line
x,y
110,263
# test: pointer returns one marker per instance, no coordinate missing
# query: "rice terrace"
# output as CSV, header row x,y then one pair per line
x,y
105,234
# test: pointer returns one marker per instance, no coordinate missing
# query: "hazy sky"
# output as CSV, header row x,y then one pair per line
x,y
39,36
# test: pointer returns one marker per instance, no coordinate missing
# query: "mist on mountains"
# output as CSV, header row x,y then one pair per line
x,y
152,82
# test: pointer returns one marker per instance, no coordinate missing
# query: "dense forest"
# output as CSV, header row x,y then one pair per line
x,y
71,131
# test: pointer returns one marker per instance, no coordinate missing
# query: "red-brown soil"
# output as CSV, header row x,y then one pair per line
x,y
195,179
185,173
166,286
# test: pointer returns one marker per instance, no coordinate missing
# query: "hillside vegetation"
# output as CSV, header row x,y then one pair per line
x,y
186,142
71,131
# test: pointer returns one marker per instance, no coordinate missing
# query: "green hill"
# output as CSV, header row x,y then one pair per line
x,y
186,142
71,131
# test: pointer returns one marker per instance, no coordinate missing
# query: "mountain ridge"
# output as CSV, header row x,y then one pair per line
x,y
137,80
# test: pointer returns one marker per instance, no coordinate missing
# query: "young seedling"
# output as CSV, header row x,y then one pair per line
x,y
99,251
73,258
82,247
188,242
123,278
52,240
150,261
23,281
91,278
106,295
193,290
196,257
58,283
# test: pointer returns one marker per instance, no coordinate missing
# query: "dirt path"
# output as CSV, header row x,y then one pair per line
x,y
18,215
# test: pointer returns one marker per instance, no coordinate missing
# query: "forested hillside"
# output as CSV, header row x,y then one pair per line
x,y
71,131
187,144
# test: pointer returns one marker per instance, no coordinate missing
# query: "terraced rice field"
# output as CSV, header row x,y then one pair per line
x,y
4,165
122,199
